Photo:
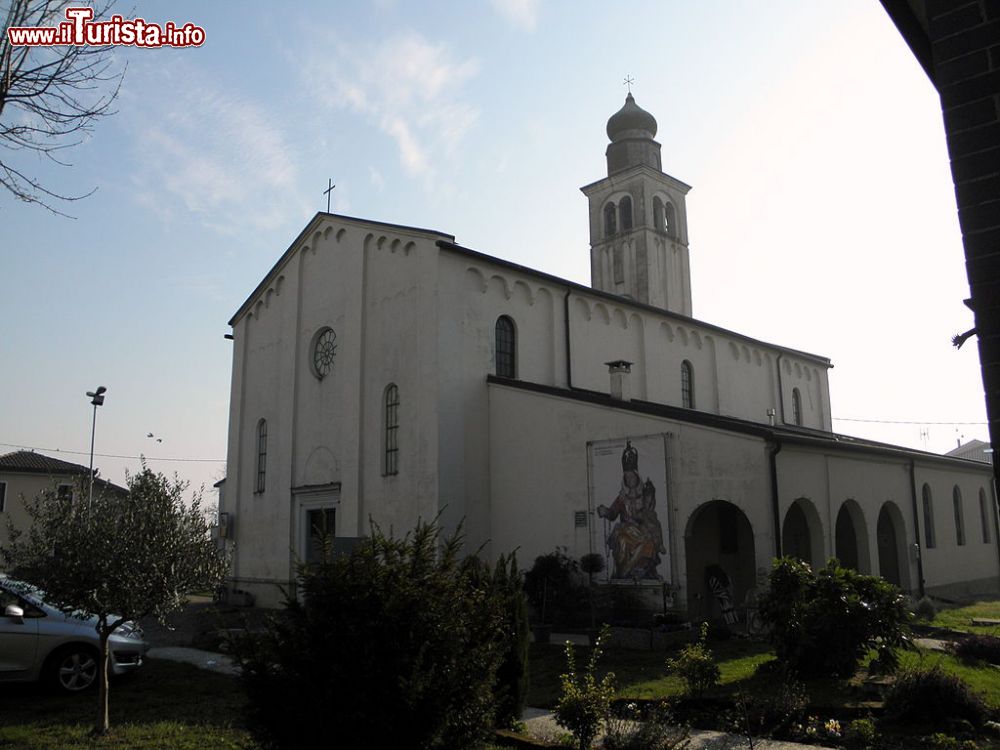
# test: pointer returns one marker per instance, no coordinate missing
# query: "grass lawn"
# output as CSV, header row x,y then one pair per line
x,y
643,674
639,674
163,705
960,618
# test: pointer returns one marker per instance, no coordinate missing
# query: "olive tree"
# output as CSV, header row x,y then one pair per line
x,y
121,556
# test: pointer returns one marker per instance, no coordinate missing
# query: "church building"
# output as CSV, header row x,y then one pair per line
x,y
385,373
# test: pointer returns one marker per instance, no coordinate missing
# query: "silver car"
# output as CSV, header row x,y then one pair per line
x,y
37,641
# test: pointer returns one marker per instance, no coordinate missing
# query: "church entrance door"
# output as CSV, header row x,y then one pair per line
x,y
315,519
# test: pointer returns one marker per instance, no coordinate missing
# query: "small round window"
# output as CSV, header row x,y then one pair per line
x,y
323,352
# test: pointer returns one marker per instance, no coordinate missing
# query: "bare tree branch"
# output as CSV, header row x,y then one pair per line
x,y
50,97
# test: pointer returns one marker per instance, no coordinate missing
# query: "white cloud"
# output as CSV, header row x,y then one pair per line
x,y
208,152
406,86
522,14
376,178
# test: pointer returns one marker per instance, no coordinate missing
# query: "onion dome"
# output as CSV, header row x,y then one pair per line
x,y
631,121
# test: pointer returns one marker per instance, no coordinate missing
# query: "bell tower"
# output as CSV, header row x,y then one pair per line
x,y
638,218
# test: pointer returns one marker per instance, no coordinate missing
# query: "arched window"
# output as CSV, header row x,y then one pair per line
x,y
796,407
391,434
261,454
609,220
956,497
687,385
625,213
984,515
506,348
928,518
670,219
658,214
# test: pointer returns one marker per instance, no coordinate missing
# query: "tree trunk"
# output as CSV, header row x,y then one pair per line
x,y
590,592
103,723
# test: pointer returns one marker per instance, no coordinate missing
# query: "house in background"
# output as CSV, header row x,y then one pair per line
x,y
974,450
25,474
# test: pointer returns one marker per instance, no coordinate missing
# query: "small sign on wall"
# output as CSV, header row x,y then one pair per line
x,y
628,492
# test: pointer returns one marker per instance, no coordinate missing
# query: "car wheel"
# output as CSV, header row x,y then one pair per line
x,y
73,669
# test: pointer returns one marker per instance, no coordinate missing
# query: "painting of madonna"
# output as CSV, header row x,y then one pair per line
x,y
635,541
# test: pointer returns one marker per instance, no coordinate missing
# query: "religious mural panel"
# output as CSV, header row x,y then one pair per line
x,y
628,492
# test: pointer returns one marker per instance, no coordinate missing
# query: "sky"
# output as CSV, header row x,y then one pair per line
x,y
822,215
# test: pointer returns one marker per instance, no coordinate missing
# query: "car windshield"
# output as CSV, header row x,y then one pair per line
x,y
30,596
24,589
36,596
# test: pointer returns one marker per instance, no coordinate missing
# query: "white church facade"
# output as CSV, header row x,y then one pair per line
x,y
385,373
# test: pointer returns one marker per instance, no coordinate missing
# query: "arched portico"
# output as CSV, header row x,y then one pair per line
x,y
893,563
802,533
718,537
851,538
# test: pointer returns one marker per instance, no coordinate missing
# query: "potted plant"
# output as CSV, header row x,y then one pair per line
x,y
543,582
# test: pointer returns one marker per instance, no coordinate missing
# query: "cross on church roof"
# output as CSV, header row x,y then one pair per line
x,y
329,190
629,80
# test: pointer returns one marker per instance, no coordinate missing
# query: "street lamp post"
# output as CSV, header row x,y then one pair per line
x,y
97,399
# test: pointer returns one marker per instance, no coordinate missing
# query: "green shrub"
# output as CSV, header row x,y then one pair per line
x,y
395,645
592,563
942,741
658,729
696,666
585,703
512,678
925,609
933,696
767,713
976,646
861,735
821,624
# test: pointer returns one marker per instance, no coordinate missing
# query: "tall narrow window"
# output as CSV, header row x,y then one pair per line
x,y
658,214
261,454
670,219
609,220
796,407
956,497
984,515
687,385
618,264
391,429
928,518
3,496
625,213
506,348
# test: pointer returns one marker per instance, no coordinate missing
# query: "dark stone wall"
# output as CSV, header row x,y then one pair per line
x,y
958,44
